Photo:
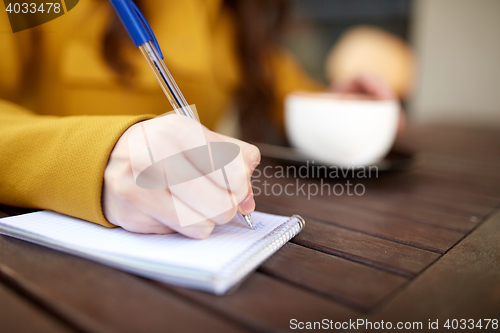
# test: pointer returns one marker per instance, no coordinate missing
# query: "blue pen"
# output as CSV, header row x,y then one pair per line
x,y
143,37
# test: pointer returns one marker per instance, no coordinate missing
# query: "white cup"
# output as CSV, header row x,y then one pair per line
x,y
343,130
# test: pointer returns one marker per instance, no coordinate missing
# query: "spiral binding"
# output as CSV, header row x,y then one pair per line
x,y
263,249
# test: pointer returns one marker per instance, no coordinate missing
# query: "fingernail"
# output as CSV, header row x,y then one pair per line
x,y
254,156
248,205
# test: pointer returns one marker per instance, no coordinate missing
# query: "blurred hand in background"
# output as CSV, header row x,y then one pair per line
x,y
371,86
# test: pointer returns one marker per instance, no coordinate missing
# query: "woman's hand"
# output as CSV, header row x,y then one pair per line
x,y
373,87
143,210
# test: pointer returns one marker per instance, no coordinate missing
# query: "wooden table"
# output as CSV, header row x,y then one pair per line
x,y
419,245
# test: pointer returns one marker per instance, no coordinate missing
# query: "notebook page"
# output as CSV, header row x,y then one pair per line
x,y
225,244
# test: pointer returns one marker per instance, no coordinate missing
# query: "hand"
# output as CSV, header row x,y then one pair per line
x,y
143,210
373,87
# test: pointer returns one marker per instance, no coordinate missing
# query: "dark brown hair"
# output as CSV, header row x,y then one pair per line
x,y
114,42
258,25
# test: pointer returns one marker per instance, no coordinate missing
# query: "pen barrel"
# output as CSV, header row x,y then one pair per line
x,y
172,91
166,81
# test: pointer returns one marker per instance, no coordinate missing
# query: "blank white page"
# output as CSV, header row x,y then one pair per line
x,y
223,246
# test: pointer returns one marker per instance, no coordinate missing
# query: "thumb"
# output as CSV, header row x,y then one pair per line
x,y
251,156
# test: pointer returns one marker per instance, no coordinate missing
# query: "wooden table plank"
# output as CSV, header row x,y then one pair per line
x,y
345,281
489,184
463,284
422,178
393,257
377,224
12,211
97,298
470,142
462,166
459,185
421,187
397,203
266,304
19,315
355,254
413,210
432,191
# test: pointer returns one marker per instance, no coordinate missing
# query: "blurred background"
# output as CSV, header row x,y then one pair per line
x,y
442,57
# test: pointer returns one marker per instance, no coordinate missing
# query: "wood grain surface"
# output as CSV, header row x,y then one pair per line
x,y
352,283
419,244
18,314
96,298
267,304
374,251
463,284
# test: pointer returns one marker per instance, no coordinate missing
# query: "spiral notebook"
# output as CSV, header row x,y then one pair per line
x,y
215,264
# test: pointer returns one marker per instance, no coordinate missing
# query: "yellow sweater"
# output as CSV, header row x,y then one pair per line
x,y
56,136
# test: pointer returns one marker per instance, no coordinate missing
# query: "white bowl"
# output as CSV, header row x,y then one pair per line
x,y
340,130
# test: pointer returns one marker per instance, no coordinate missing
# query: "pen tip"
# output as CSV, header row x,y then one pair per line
x,y
248,219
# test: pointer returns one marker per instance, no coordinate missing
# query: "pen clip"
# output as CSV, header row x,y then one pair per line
x,y
146,24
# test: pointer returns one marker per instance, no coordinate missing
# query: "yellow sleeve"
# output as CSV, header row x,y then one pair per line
x,y
289,77
57,163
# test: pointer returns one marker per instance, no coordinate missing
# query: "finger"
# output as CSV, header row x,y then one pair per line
x,y
141,228
238,171
136,221
402,121
194,163
202,196
159,205
252,158
251,154
188,212
225,217
212,189
247,206
211,186
137,209
372,85
376,86
200,230
186,156
205,162
345,87
188,222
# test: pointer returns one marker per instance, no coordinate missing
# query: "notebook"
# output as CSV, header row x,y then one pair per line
x,y
216,264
